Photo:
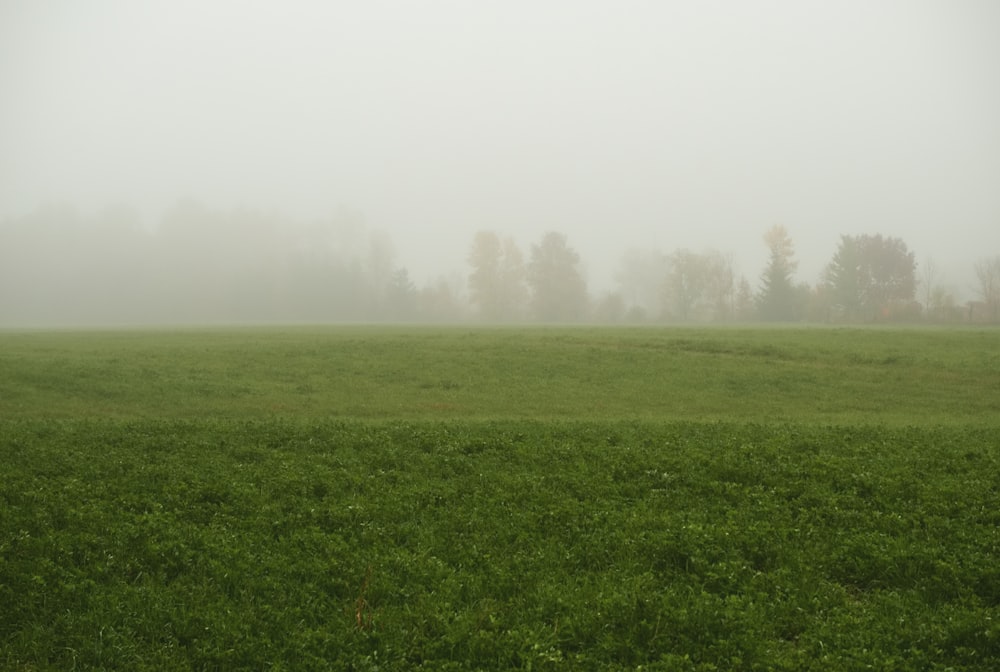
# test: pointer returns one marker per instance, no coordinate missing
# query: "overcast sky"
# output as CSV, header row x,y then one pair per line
x,y
622,124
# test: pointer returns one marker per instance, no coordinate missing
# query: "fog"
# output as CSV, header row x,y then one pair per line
x,y
626,126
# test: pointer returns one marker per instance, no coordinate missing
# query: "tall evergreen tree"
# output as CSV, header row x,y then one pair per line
x,y
778,299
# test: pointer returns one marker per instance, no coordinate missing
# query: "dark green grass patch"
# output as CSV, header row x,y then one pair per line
x,y
497,545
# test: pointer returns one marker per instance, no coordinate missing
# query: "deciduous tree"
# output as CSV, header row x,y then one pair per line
x,y
722,290
699,287
610,309
640,277
684,285
497,283
442,300
558,288
401,297
928,283
872,277
988,278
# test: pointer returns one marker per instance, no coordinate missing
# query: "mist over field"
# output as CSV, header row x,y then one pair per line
x,y
348,491
445,161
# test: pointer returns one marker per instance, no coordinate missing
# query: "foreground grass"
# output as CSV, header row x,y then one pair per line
x,y
366,499
843,376
231,545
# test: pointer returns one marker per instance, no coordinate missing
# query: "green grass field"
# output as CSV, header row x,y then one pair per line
x,y
469,498
833,376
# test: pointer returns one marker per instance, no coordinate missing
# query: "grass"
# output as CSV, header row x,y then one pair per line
x,y
366,499
897,377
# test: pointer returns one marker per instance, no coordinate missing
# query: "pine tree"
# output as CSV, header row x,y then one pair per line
x,y
778,300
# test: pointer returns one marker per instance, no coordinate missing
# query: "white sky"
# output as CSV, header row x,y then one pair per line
x,y
620,123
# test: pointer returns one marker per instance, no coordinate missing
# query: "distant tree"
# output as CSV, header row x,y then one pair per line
x,y
195,264
685,285
928,281
442,301
943,306
513,276
698,287
640,277
939,303
378,267
744,308
872,277
843,277
721,290
890,271
804,296
497,283
401,297
484,281
636,315
611,309
558,288
778,299
818,304
988,278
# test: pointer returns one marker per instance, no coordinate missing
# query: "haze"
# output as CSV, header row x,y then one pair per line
x,y
623,125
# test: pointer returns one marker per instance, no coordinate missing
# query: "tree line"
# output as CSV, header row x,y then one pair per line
x,y
203,265
870,278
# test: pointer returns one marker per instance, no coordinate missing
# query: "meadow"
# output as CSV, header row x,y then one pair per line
x,y
382,498
832,376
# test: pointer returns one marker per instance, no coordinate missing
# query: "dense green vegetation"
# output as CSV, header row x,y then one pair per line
x,y
360,498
